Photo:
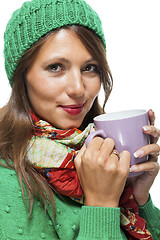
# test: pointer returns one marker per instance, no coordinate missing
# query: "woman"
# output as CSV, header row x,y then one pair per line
x,y
52,187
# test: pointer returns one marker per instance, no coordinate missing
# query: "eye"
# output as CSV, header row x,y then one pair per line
x,y
55,68
91,68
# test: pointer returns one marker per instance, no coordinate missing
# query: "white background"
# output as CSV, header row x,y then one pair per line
x,y
133,50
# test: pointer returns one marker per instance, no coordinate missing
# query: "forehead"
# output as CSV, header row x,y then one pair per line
x,y
64,42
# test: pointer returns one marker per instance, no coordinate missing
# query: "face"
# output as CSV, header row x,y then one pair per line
x,y
63,81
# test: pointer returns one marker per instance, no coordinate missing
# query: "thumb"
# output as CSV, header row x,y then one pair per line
x,y
78,158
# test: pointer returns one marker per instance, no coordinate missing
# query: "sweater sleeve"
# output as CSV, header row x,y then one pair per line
x,y
100,223
75,221
152,216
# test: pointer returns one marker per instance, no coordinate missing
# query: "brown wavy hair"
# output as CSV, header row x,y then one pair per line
x,y
16,125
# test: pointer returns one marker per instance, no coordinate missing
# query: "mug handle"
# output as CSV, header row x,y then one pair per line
x,y
99,132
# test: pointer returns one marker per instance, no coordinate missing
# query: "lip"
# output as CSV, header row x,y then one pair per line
x,y
73,109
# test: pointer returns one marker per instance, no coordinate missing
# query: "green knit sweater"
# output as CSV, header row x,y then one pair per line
x,y
73,221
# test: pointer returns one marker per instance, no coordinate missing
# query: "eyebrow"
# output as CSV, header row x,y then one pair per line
x,y
54,59
91,60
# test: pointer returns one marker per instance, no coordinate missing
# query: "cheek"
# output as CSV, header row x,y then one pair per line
x,y
42,88
94,88
36,92
41,101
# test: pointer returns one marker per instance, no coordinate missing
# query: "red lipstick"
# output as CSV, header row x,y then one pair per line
x,y
73,109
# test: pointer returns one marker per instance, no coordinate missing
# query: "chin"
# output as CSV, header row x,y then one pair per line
x,y
74,124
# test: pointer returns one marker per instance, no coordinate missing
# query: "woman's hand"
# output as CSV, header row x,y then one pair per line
x,y
102,174
142,183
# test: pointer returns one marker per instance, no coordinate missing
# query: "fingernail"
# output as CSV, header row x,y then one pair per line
x,y
139,153
92,129
133,168
146,128
151,110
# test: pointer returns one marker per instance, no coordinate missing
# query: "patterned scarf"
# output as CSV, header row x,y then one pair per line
x,y
53,151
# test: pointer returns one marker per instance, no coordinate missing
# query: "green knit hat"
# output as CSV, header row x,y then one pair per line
x,y
36,18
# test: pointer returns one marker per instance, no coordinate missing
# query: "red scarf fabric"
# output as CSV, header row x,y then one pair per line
x,y
63,178
135,226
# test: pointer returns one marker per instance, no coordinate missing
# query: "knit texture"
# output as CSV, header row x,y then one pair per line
x,y
36,18
73,221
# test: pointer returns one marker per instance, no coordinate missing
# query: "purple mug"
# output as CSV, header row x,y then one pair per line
x,y
126,129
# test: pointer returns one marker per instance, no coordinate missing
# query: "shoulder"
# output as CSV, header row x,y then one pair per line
x,y
9,184
14,212
6,172
11,194
11,202
8,181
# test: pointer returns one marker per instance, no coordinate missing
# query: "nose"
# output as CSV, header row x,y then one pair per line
x,y
74,84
